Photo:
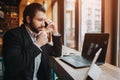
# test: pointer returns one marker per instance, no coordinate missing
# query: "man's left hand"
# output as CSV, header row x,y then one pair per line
x,y
52,27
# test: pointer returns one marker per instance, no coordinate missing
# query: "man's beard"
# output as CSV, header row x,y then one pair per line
x,y
32,27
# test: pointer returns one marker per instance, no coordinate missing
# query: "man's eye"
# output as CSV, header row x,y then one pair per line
x,y
39,19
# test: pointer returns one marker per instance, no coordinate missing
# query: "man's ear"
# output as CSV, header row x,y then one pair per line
x,y
28,19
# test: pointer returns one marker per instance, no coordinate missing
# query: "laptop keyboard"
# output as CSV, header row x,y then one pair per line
x,y
79,58
76,60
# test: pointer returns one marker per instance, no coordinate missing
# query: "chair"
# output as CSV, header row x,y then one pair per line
x,y
2,68
53,74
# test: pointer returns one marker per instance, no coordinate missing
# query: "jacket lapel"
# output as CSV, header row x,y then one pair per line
x,y
26,36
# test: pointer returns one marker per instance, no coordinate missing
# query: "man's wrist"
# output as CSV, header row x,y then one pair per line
x,y
37,45
55,33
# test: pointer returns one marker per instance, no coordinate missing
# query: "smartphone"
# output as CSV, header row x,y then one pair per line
x,y
46,24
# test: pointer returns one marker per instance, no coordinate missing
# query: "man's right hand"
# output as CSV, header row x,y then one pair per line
x,y
41,39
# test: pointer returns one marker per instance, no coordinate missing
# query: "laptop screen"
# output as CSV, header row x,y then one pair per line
x,y
92,43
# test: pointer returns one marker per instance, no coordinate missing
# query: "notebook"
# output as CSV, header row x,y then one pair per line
x,y
92,43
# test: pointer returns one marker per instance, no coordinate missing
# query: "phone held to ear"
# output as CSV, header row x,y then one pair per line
x,y
46,24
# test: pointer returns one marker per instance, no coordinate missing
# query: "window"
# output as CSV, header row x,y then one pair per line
x,y
54,12
69,25
118,37
90,17
119,33
76,20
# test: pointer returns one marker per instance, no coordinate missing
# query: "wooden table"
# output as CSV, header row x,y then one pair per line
x,y
66,72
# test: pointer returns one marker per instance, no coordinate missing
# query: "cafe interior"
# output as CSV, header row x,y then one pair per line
x,y
74,18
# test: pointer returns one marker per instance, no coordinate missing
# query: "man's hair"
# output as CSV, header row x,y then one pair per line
x,y
31,10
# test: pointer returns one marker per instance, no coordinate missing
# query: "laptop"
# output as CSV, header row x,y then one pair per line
x,y
92,43
87,76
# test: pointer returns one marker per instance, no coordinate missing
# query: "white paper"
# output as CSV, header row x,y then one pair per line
x,y
95,72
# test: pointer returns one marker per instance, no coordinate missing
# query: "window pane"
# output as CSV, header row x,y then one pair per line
x,y
69,29
90,17
118,36
55,13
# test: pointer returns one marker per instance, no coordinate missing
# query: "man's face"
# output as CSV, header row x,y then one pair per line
x,y
38,22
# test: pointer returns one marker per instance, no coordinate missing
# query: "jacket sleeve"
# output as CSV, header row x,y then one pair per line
x,y
56,48
16,56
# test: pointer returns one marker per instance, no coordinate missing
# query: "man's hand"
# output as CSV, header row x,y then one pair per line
x,y
51,27
41,39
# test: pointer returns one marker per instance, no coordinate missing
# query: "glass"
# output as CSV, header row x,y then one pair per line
x,y
69,24
90,17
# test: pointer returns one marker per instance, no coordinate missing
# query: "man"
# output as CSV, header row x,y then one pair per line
x,y
26,50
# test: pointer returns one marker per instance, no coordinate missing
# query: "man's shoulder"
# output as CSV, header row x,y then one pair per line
x,y
14,31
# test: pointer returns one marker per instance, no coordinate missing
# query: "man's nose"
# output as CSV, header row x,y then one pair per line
x,y
43,23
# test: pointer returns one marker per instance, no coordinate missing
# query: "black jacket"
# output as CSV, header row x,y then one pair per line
x,y
19,53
